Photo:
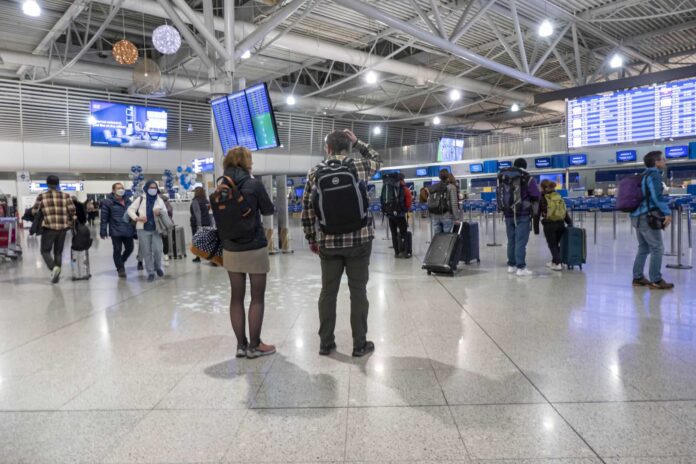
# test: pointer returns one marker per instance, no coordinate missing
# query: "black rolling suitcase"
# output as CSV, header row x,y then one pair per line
x,y
470,242
574,247
443,254
406,244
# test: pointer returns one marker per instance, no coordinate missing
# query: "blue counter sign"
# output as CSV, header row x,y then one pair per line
x,y
504,164
577,160
474,168
626,156
678,151
542,163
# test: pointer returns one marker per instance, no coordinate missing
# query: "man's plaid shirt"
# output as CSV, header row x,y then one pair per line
x,y
366,167
57,208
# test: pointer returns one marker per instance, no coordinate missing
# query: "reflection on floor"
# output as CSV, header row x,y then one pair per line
x,y
572,367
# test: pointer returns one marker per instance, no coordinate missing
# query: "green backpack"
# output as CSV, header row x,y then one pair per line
x,y
555,207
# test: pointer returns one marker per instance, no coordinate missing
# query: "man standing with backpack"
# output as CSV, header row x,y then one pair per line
x,y
396,202
443,204
518,197
649,219
335,197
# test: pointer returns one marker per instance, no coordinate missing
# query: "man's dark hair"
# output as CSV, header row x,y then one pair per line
x,y
338,142
651,158
520,163
444,175
52,181
401,176
113,187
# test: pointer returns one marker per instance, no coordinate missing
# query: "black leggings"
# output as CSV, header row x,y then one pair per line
x,y
256,308
554,233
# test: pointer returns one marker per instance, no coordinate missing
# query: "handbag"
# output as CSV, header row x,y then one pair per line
x,y
37,223
206,244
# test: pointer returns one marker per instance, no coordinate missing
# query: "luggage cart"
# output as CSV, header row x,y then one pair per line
x,y
9,246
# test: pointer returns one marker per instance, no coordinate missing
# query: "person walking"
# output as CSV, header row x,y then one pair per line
x,y
518,196
200,213
443,204
58,212
651,217
245,247
396,202
143,211
335,197
554,216
112,224
91,209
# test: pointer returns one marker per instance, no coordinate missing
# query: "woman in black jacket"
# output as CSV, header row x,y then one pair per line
x,y
248,255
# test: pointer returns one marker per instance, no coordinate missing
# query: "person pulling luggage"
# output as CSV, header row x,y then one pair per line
x,y
396,200
443,204
554,216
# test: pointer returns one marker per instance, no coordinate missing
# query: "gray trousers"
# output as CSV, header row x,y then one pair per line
x,y
356,263
150,248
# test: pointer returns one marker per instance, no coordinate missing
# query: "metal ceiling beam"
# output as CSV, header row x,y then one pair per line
x,y
230,46
508,48
191,39
610,8
424,17
460,31
520,38
207,34
438,19
551,48
372,12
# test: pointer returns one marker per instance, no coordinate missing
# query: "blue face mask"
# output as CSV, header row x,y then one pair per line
x,y
152,192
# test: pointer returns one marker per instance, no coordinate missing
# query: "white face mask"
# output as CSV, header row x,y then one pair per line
x,y
152,192
120,192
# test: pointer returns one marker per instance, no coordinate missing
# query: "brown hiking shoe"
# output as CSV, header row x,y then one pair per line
x,y
642,282
661,285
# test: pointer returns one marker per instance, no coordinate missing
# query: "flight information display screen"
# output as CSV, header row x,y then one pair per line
x,y
246,118
642,114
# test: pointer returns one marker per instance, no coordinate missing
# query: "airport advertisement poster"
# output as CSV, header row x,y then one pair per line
x,y
127,126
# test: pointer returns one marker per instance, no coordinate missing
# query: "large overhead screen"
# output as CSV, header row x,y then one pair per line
x,y
637,115
127,126
246,118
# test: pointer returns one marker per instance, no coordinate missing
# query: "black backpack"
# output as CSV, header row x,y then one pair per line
x,y
511,182
82,238
392,198
339,197
235,219
438,200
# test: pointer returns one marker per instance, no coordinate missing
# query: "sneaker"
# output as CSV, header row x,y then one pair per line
x,y
196,259
140,265
242,351
261,350
121,273
642,282
550,265
325,350
524,273
165,257
661,285
55,274
151,278
511,269
557,267
367,348
159,272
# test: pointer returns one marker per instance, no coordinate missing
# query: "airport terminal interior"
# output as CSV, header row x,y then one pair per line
x,y
499,168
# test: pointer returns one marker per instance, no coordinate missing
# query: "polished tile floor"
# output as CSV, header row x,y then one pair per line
x,y
573,367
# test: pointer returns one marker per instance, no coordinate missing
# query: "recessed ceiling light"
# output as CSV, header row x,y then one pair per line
x,y
371,77
455,95
31,8
545,28
515,107
290,100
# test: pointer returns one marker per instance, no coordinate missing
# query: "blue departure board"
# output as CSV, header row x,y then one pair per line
x,y
223,122
262,117
641,114
242,120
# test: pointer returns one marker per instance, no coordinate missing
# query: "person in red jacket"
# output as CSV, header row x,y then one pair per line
x,y
398,224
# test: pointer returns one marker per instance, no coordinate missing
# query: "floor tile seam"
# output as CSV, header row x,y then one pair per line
x,y
92,313
176,384
345,436
242,421
681,400
91,384
505,353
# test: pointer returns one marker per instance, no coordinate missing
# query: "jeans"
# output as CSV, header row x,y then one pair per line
x,y
356,262
398,227
441,224
123,247
518,237
553,231
649,243
150,244
52,243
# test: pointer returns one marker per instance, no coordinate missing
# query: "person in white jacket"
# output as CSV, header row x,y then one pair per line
x,y
143,211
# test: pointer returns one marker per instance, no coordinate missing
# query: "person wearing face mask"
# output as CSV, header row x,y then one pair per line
x,y
112,225
143,211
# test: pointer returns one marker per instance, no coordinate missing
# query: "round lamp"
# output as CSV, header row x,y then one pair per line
x,y
166,39
125,52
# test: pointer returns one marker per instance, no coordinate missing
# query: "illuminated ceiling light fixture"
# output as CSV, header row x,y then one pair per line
x,y
515,108
545,28
377,130
125,52
617,61
455,95
166,39
436,120
31,8
290,100
246,55
371,77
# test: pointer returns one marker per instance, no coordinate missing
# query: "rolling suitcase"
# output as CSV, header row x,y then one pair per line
x,y
443,254
574,247
79,263
406,244
177,243
470,242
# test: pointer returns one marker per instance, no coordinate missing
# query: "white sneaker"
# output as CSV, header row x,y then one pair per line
x,y
512,269
524,273
550,264
557,267
165,257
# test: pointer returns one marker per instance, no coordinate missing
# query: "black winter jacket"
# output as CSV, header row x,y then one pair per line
x,y
112,212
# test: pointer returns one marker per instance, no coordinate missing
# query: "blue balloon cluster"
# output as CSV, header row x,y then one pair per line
x,y
168,182
137,177
187,178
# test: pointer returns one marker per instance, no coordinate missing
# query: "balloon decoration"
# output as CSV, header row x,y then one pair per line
x,y
168,182
187,178
137,177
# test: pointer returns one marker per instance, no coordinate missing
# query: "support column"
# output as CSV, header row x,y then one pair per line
x,y
284,238
268,220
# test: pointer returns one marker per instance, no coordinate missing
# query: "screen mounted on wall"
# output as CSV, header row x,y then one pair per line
x,y
246,118
542,163
476,168
679,151
127,126
450,149
422,172
626,156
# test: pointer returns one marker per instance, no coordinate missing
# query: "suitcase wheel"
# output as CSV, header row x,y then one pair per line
x,y
430,272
